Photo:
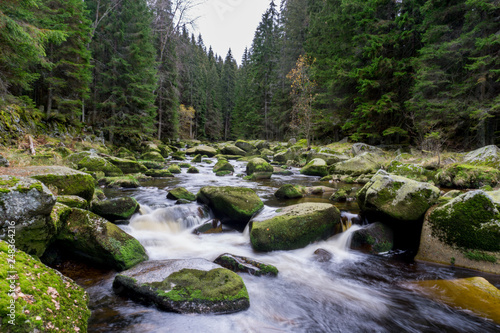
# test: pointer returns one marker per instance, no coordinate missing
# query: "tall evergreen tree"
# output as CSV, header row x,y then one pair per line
x,y
227,91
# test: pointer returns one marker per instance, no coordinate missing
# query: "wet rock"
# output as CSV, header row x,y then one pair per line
x,y
289,191
474,295
26,204
3,162
73,201
317,167
196,159
284,156
235,206
246,146
464,232
127,166
43,296
153,156
223,165
99,241
375,238
282,172
341,195
120,182
212,227
193,170
184,286
233,150
245,265
259,168
152,165
116,209
94,163
181,193
295,227
322,255
366,163
175,169
396,198
159,173
202,150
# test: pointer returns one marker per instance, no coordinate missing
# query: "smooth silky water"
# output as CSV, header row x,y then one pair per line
x,y
352,292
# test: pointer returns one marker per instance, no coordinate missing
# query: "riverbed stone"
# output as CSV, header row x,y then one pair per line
x,y
153,156
284,156
234,206
184,286
202,150
396,198
179,193
249,148
126,165
295,227
127,181
193,169
289,191
116,209
473,294
366,163
259,168
316,167
463,232
233,150
44,298
94,163
163,173
223,165
99,241
374,238
241,264
467,176
329,158
25,207
408,170
73,201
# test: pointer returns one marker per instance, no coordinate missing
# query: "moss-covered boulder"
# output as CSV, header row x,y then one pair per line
x,y
196,159
289,191
202,150
128,181
316,167
127,166
232,205
99,241
474,295
181,193
116,209
45,300
375,238
25,206
174,169
77,157
232,150
59,180
464,232
366,163
284,156
223,165
94,163
3,162
467,176
152,156
240,264
165,150
396,198
295,227
360,148
330,159
164,173
249,148
486,156
259,168
193,170
152,165
408,170
73,201
184,286
123,152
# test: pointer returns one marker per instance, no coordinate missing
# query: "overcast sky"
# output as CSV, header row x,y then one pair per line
x,y
226,24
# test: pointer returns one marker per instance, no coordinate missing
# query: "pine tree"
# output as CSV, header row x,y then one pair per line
x,y
227,91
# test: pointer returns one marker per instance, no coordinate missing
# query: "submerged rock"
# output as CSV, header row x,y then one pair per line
x,y
25,207
295,227
116,209
184,286
93,238
464,232
474,294
317,167
322,255
43,297
396,198
233,205
242,264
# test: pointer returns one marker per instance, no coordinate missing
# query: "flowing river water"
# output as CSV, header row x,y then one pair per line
x,y
351,292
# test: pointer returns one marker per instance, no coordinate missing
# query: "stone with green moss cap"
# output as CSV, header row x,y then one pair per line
x,y
26,204
246,146
99,241
295,227
94,163
289,191
396,198
116,209
234,206
184,286
202,150
73,201
245,265
126,165
467,176
486,156
259,168
152,156
44,299
366,163
223,165
179,193
464,232
232,150
316,167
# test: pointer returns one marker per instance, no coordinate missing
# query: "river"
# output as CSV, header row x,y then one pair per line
x,y
352,292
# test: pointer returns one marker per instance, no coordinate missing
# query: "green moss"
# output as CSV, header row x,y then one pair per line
x,y
480,256
181,193
48,300
174,168
190,284
71,184
289,191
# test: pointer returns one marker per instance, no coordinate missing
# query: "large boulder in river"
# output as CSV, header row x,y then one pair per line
x,y
284,156
464,232
234,206
374,238
94,163
246,146
259,168
60,180
295,227
233,150
116,209
25,207
316,167
180,193
360,148
366,163
289,191
184,286
202,150
44,298
93,238
395,198
126,165
223,165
